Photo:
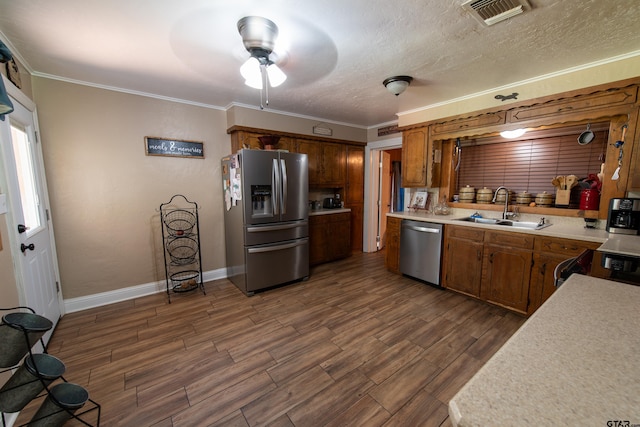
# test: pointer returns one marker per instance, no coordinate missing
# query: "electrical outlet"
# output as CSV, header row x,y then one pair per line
x,y
3,204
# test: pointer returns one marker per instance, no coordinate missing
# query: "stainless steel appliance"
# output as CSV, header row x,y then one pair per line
x,y
420,250
621,255
266,218
624,216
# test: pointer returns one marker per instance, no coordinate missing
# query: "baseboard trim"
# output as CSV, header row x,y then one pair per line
x,y
72,305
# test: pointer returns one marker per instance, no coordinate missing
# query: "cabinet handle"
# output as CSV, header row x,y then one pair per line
x,y
478,254
491,258
543,269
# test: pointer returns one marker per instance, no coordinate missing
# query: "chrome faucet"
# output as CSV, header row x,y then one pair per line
x,y
505,213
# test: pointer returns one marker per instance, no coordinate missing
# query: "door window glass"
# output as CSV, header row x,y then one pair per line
x,y
23,153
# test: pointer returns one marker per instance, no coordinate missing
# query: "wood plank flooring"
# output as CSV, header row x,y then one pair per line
x,y
354,345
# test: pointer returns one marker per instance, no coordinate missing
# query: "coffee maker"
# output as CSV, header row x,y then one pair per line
x,y
624,216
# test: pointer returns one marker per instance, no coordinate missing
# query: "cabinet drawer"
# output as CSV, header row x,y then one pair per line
x,y
516,240
467,233
566,247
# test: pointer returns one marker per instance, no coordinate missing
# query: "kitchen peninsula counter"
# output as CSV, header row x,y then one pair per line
x,y
561,229
573,362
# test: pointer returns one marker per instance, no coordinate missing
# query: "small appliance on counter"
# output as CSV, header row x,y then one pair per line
x,y
624,216
331,203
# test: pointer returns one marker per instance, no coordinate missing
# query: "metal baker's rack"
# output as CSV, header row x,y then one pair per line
x,y
181,245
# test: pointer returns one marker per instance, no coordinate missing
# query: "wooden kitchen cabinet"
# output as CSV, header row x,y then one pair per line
x,y
354,194
392,258
329,237
506,269
462,262
327,162
548,253
421,158
489,265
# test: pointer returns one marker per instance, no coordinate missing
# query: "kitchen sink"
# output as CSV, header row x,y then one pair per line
x,y
507,223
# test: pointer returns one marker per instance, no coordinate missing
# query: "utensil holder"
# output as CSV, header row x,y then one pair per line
x,y
18,333
29,380
62,402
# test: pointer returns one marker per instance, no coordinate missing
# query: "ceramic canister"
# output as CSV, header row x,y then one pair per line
x,y
484,195
467,194
544,199
524,198
502,193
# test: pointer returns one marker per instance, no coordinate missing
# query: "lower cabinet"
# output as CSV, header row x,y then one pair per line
x,y
392,255
329,237
462,260
548,253
506,268
490,265
510,269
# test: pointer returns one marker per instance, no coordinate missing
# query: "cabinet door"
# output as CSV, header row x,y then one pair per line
x,y
313,151
355,175
354,194
505,279
542,279
333,164
463,269
338,235
317,240
414,157
357,227
392,259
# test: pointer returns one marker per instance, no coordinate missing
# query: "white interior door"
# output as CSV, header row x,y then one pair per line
x,y
32,245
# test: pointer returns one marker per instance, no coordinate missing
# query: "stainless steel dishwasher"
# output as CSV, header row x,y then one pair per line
x,y
420,250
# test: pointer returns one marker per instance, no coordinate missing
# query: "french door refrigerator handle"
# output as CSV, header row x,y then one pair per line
x,y
283,199
275,183
265,228
298,242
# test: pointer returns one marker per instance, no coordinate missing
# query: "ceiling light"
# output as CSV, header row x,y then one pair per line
x,y
259,36
510,134
397,84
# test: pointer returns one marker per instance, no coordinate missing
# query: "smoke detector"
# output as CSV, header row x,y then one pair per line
x,y
491,12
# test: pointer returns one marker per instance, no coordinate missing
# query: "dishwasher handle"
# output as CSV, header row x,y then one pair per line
x,y
421,229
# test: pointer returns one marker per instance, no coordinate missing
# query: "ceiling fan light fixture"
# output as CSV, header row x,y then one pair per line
x,y
276,75
397,84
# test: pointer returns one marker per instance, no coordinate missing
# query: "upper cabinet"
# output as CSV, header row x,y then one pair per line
x,y
327,162
421,158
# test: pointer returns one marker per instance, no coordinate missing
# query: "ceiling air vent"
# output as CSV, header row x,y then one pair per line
x,y
493,11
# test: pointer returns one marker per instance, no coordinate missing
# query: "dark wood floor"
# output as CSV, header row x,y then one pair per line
x,y
353,345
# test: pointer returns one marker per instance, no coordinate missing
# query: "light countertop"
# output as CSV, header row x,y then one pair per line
x,y
573,362
622,245
328,211
560,229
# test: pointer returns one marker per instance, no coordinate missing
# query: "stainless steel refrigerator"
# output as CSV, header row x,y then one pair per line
x,y
265,196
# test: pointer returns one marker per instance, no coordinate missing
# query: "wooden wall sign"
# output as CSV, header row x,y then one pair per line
x,y
173,148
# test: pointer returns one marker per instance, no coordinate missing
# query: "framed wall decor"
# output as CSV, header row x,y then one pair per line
x,y
173,147
420,200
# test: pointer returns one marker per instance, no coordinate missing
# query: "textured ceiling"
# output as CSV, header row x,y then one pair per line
x,y
336,52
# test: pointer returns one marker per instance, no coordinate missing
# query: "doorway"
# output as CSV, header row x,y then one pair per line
x,y
382,187
28,214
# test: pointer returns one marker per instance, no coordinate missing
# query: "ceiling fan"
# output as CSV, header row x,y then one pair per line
x,y
259,71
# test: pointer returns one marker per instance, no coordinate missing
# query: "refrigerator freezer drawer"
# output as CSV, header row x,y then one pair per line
x,y
276,264
280,232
